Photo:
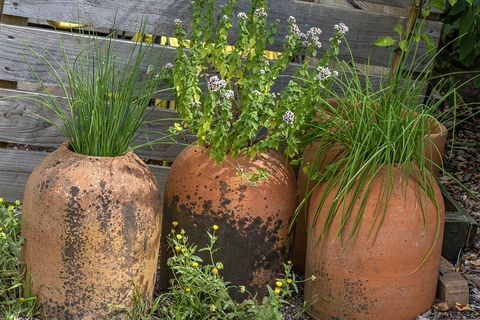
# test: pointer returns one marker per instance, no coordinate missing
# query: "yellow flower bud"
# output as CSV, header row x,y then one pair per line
x,y
215,227
2,235
212,308
195,264
177,248
175,223
289,261
179,236
21,299
241,289
1,200
11,208
278,283
289,280
17,202
184,250
187,289
182,231
278,290
214,270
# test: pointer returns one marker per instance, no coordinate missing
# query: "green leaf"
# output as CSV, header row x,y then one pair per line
x,y
403,45
470,2
467,45
452,2
428,41
439,4
385,41
399,29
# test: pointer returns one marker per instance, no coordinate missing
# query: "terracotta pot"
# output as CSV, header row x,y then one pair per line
x,y
92,232
376,280
434,149
253,220
435,146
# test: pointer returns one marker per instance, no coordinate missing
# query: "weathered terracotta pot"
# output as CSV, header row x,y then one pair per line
x,y
92,232
434,149
253,220
376,280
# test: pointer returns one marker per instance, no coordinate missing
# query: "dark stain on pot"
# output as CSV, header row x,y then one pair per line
x,y
104,210
72,257
258,251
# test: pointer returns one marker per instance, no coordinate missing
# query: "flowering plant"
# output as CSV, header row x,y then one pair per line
x,y
225,93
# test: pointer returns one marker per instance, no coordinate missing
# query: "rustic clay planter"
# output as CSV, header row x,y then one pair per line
x,y
364,279
253,220
434,149
92,232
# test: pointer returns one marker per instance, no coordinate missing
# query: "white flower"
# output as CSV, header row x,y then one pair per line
x,y
256,92
225,17
323,73
292,19
335,73
318,44
289,117
229,94
260,13
215,83
149,69
177,22
341,27
242,15
168,66
262,71
313,33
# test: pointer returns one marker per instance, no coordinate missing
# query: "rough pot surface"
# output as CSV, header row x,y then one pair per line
x,y
375,280
92,232
253,220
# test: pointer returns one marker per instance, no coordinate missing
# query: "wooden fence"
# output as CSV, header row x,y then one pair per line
x,y
25,139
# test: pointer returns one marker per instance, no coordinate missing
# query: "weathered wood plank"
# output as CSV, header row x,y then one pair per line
x,y
19,124
17,165
393,3
365,27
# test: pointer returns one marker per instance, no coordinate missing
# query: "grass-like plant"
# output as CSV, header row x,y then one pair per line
x,y
16,299
379,129
106,91
226,85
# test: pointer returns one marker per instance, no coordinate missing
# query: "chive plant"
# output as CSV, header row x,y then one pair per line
x,y
107,92
379,130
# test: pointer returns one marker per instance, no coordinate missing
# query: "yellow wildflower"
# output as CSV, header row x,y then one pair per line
x,y
212,308
215,227
2,235
1,200
187,289
21,299
241,289
214,270
179,236
1,229
278,290
178,248
278,283
313,278
184,250
17,202
289,280
289,261
177,126
175,223
182,231
195,264
11,208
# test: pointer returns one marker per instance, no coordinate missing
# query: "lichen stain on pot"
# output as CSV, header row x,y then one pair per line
x,y
92,233
253,220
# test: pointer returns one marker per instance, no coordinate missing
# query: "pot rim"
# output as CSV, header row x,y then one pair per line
x,y
66,145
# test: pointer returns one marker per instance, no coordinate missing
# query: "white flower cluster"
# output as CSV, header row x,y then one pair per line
x,y
256,92
313,35
292,19
215,83
168,66
260,13
229,94
289,117
341,27
323,73
150,69
177,22
242,15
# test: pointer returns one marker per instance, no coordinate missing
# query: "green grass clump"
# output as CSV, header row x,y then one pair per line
x,y
16,299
